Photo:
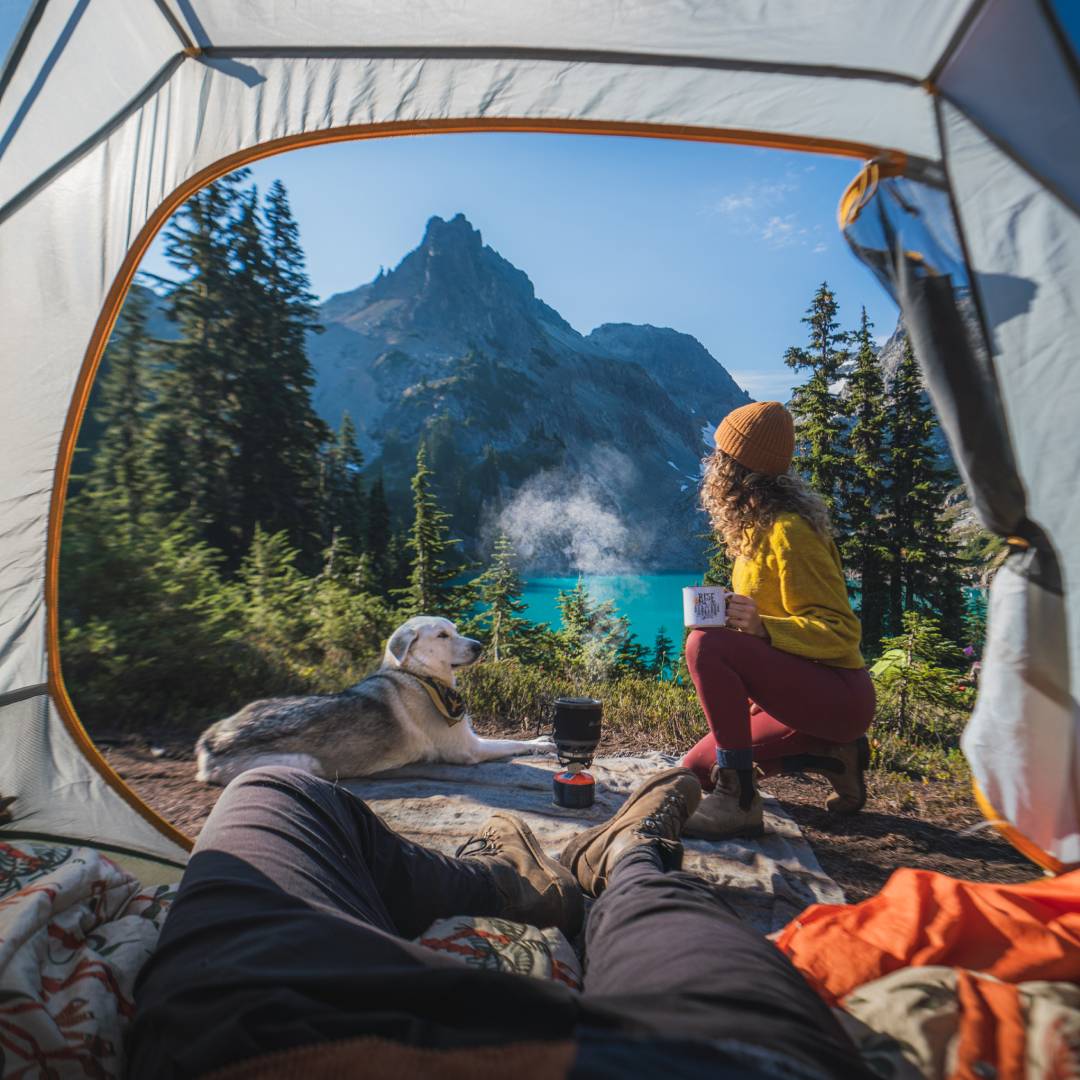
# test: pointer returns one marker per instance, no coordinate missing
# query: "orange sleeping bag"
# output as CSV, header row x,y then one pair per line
x,y
1014,933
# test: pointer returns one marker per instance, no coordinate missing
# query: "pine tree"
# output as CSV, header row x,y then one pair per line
x,y
925,567
500,588
345,502
143,606
251,461
429,591
191,434
123,410
865,546
279,433
277,610
592,632
819,412
235,438
917,679
663,658
632,657
720,564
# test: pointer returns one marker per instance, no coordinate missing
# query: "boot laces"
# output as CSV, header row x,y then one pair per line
x,y
483,845
666,818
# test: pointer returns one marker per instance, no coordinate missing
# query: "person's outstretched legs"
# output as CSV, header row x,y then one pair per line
x,y
288,930
665,957
664,951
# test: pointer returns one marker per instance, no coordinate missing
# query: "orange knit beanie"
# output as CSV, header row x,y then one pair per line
x,y
760,436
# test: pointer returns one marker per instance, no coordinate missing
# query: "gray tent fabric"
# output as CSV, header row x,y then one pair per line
x,y
111,113
985,263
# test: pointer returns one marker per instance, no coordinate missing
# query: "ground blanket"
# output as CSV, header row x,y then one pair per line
x,y
74,931
768,881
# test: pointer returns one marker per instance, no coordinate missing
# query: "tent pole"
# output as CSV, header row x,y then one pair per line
x,y
174,22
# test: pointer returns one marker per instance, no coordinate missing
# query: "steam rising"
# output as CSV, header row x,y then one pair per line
x,y
568,519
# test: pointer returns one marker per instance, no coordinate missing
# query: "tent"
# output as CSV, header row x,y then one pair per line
x,y
112,113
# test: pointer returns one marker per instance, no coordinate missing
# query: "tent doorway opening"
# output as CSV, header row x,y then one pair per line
x,y
559,324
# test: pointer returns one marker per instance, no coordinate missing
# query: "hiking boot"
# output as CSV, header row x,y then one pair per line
x,y
844,766
654,814
734,808
531,887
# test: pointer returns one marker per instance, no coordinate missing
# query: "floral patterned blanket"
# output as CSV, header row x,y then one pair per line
x,y
74,931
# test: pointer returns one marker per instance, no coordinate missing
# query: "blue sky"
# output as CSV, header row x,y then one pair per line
x,y
725,243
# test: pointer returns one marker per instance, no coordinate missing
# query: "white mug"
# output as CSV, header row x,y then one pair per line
x,y
704,605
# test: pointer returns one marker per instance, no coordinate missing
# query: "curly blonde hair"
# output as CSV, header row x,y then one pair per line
x,y
742,505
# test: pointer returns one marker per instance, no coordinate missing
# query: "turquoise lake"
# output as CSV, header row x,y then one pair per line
x,y
648,600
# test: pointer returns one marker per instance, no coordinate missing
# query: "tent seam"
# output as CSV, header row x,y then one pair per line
x,y
976,292
44,179
174,23
1009,152
748,137
584,56
1072,61
9,834
18,47
24,694
961,32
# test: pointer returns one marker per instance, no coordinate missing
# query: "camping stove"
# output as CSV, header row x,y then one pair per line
x,y
576,732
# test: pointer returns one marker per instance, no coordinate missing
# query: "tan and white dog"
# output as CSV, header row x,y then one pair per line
x,y
408,711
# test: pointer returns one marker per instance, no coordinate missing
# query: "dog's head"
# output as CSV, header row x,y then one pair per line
x,y
431,646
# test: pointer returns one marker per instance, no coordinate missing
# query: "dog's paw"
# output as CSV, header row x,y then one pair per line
x,y
544,745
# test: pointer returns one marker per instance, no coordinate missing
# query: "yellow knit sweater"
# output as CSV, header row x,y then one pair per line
x,y
797,582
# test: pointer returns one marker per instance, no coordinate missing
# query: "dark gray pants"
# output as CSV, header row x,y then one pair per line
x,y
290,927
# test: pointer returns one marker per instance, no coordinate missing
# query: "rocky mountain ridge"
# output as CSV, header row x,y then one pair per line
x,y
453,346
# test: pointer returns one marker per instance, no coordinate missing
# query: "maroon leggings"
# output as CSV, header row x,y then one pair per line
x,y
798,703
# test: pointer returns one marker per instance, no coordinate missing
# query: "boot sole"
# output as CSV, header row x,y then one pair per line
x,y
576,848
573,900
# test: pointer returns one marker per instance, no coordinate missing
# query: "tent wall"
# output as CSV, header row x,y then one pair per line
x,y
985,262
1024,247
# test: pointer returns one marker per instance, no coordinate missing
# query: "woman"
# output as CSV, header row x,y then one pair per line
x,y
783,685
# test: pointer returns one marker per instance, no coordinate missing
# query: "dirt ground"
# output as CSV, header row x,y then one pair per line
x,y
905,823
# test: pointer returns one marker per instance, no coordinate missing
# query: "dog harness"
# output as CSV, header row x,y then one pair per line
x,y
447,700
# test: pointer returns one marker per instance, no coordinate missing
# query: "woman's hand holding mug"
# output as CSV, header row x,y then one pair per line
x,y
742,614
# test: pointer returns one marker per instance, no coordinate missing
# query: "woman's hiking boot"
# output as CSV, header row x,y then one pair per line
x,y
654,814
844,765
733,808
531,887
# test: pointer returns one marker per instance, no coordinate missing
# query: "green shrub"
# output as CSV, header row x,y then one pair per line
x,y
923,701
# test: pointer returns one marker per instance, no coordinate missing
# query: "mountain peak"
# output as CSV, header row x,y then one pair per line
x,y
458,230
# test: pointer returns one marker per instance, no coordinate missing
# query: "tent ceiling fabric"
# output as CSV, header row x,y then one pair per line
x,y
845,33
1009,78
107,121
118,48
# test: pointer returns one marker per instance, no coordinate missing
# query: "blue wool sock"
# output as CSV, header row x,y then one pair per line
x,y
735,759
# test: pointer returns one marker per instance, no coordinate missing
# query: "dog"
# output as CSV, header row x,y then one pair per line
x,y
408,711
